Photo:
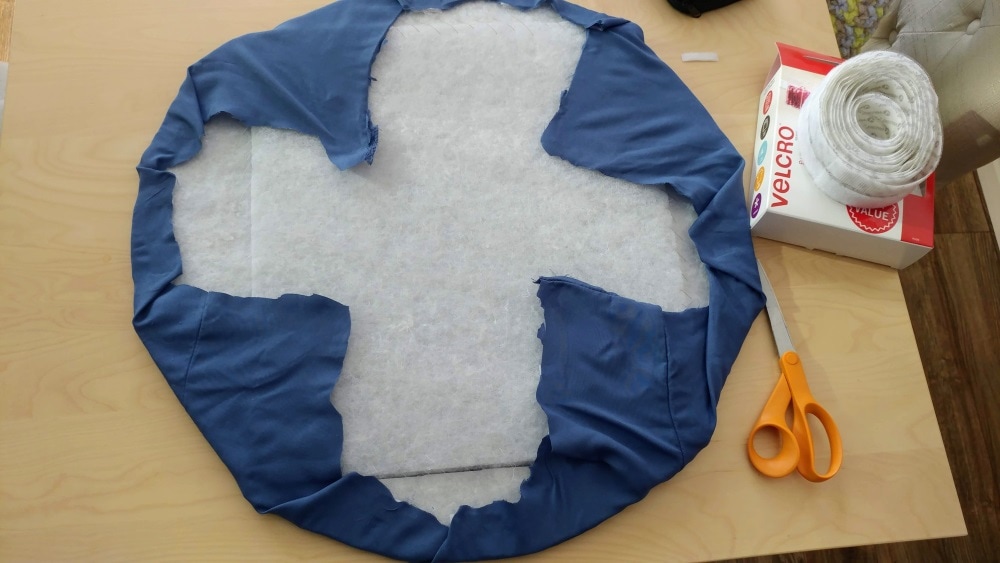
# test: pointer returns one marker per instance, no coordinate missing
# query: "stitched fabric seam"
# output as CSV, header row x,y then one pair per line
x,y
670,407
194,347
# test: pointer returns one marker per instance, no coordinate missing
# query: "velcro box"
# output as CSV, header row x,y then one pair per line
x,y
786,206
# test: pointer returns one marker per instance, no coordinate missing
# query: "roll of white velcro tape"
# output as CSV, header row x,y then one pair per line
x,y
871,133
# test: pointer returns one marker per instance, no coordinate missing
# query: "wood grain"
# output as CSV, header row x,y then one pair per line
x,y
6,19
98,461
956,299
958,208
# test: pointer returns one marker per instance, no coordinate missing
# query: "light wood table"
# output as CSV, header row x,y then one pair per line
x,y
98,461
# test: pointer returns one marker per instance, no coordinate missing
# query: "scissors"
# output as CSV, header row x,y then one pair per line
x,y
792,391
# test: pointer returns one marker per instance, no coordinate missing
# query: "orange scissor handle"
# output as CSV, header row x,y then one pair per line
x,y
804,404
773,416
797,451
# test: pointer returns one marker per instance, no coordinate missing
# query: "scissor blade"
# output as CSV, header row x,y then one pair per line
x,y
778,326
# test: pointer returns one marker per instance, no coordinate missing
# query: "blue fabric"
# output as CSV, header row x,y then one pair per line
x,y
629,390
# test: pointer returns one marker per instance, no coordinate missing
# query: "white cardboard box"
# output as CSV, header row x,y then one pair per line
x,y
784,203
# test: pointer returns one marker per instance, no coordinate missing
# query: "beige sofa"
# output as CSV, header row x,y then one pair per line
x,y
958,43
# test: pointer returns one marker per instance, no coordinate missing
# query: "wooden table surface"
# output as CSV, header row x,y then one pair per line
x,y
98,461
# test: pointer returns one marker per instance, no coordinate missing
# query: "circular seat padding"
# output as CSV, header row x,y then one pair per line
x,y
629,390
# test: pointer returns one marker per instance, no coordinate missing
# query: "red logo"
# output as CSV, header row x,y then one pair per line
x,y
874,221
796,96
767,101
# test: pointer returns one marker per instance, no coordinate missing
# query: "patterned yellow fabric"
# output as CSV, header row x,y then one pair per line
x,y
854,21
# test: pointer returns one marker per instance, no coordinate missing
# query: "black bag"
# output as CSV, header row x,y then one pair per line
x,y
695,8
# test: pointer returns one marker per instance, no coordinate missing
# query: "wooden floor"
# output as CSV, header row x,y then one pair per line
x,y
953,296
